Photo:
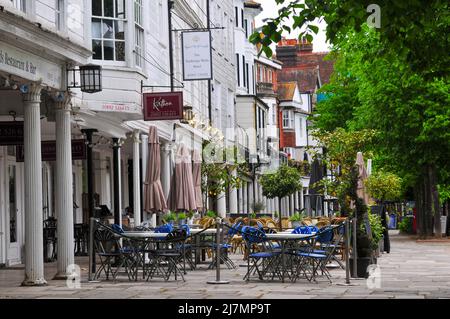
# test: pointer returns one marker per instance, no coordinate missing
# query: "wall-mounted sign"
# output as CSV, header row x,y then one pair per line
x,y
163,106
30,66
48,150
11,133
197,55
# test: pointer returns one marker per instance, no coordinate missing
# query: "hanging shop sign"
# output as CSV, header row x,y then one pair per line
x,y
197,55
163,106
11,133
48,150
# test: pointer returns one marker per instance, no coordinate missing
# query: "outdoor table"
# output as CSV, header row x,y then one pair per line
x,y
194,232
284,238
139,241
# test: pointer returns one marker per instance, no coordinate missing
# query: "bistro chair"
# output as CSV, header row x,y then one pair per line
x,y
169,252
262,259
112,255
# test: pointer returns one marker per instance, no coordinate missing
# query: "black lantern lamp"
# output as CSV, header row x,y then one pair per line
x,y
188,114
90,78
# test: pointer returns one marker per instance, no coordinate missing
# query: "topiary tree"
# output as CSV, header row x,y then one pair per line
x,y
284,182
384,186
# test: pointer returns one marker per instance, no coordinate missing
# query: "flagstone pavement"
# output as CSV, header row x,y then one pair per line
x,y
412,270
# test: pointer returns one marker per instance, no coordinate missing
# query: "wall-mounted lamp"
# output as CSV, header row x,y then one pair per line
x,y
90,78
188,114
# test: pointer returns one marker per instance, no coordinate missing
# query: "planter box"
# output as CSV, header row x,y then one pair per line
x,y
362,263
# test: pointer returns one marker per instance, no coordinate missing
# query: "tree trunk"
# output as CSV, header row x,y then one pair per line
x,y
279,217
420,211
447,213
435,207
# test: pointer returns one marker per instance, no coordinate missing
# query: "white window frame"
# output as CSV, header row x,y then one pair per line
x,y
19,5
139,33
114,19
60,15
289,120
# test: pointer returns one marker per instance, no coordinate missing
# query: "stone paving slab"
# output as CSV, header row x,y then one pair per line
x,y
413,270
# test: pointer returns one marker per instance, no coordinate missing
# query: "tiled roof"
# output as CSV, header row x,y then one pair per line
x,y
286,90
306,78
252,4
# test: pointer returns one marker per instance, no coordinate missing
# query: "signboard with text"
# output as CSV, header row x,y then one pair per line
x,y
11,133
197,55
163,106
48,150
30,66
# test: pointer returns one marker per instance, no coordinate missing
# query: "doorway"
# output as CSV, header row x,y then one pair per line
x,y
14,218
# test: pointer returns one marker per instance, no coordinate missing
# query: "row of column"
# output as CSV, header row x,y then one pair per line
x,y
34,255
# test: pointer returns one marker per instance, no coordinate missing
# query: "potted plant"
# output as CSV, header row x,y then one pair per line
x,y
296,220
169,218
211,214
258,207
181,219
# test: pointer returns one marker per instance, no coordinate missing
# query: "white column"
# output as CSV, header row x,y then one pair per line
x,y
222,205
245,197
64,191
302,201
241,199
34,246
233,197
297,202
292,205
144,155
136,179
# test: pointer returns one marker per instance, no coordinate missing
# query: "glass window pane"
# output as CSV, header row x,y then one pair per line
x,y
120,51
120,9
97,7
109,8
97,49
96,28
108,30
119,30
108,47
12,204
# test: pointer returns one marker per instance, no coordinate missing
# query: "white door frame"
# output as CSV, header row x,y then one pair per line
x,y
14,250
2,209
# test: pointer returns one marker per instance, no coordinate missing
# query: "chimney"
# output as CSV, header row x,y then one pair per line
x,y
289,49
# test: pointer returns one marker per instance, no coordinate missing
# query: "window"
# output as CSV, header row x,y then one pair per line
x,y
246,28
19,5
243,71
301,127
108,30
247,77
270,77
242,20
236,16
238,69
139,34
288,119
59,12
274,114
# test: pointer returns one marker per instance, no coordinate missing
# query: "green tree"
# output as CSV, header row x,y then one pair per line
x,y
384,186
284,182
407,26
217,175
409,112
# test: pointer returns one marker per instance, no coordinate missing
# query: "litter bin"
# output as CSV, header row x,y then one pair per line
x,y
392,221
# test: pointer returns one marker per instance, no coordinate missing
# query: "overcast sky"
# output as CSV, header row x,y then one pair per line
x,y
270,11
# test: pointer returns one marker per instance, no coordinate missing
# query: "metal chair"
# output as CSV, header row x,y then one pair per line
x,y
112,255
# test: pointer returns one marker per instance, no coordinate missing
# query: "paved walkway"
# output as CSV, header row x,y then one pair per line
x,y
412,270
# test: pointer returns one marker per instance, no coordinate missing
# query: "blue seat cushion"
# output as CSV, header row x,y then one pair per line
x,y
313,255
264,255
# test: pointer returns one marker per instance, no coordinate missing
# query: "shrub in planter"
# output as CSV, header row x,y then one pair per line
x,y
296,220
